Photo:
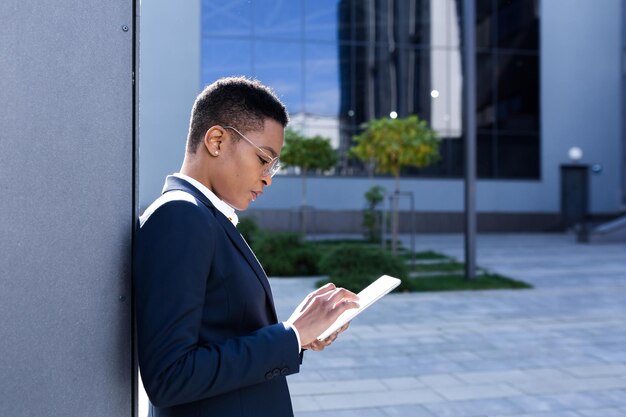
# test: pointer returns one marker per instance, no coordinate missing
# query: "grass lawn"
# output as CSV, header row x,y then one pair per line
x,y
425,255
442,266
456,282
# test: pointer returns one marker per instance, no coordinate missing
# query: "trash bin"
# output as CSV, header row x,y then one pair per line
x,y
575,199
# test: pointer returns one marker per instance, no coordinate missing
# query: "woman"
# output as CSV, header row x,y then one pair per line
x,y
209,341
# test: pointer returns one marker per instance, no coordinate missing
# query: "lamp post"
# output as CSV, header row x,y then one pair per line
x,y
469,89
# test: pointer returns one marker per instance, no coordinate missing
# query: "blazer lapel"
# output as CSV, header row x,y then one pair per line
x,y
175,183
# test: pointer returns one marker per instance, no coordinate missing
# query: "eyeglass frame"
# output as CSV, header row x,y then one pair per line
x,y
273,166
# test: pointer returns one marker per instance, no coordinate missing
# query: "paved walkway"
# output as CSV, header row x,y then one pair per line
x,y
558,350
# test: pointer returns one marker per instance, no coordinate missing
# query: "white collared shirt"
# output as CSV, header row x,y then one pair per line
x,y
230,214
219,204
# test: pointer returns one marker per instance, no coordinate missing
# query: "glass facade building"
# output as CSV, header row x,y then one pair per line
x,y
339,63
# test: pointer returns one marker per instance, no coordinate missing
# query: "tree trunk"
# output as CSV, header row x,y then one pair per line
x,y
395,217
303,204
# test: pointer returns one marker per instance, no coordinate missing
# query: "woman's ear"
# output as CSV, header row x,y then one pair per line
x,y
213,140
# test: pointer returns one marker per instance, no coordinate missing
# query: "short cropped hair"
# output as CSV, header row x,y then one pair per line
x,y
240,102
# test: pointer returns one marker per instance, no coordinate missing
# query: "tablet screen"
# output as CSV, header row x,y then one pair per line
x,y
367,297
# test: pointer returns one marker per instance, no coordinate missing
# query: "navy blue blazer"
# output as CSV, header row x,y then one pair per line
x,y
208,339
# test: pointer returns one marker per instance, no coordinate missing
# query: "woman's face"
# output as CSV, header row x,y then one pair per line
x,y
240,178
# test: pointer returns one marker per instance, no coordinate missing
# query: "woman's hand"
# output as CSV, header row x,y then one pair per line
x,y
321,344
318,311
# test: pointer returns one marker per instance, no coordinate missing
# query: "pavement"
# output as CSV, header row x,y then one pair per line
x,y
557,350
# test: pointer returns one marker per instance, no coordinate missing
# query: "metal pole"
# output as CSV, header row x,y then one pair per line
x,y
469,89
413,227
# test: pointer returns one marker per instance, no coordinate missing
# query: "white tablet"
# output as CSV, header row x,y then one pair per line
x,y
375,291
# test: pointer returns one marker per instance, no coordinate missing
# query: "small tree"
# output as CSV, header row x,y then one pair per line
x,y
392,144
372,217
308,154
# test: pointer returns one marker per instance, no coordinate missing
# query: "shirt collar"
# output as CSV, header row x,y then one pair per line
x,y
219,204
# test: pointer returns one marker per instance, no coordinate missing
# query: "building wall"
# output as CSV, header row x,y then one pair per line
x,y
168,84
68,206
580,106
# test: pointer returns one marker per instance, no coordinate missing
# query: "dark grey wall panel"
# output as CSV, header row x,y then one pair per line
x,y
66,207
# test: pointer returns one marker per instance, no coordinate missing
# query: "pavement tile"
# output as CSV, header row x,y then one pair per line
x,y
335,387
304,403
612,397
579,400
494,376
372,412
603,412
569,385
376,399
476,392
538,403
548,414
557,349
402,383
597,370
407,411
440,380
473,408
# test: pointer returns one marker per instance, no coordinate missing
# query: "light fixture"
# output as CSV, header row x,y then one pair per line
x,y
393,115
434,93
575,154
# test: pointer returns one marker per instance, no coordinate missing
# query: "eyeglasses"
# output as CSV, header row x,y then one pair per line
x,y
272,166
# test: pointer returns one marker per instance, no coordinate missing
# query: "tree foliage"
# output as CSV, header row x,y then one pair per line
x,y
392,144
307,153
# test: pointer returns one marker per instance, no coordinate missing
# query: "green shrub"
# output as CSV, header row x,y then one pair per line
x,y
354,267
248,228
286,254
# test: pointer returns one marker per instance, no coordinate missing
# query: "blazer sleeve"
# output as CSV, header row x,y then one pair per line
x,y
174,249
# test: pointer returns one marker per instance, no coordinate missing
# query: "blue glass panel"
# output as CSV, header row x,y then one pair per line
x,y
322,80
226,18
321,20
223,57
279,65
518,92
278,19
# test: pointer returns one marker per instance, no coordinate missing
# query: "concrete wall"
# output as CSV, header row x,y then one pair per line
x,y
67,181
168,84
581,72
581,75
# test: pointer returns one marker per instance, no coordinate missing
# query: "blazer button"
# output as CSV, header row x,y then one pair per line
x,y
269,375
284,371
276,372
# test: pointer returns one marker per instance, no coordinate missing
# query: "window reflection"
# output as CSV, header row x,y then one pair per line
x,y
517,99
321,20
321,80
278,19
224,19
339,63
279,64
225,57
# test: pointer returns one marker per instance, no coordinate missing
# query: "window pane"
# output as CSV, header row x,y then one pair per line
x,y
485,155
518,92
321,20
278,19
445,92
485,24
518,156
443,24
518,24
485,110
226,18
222,57
385,22
279,65
322,80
